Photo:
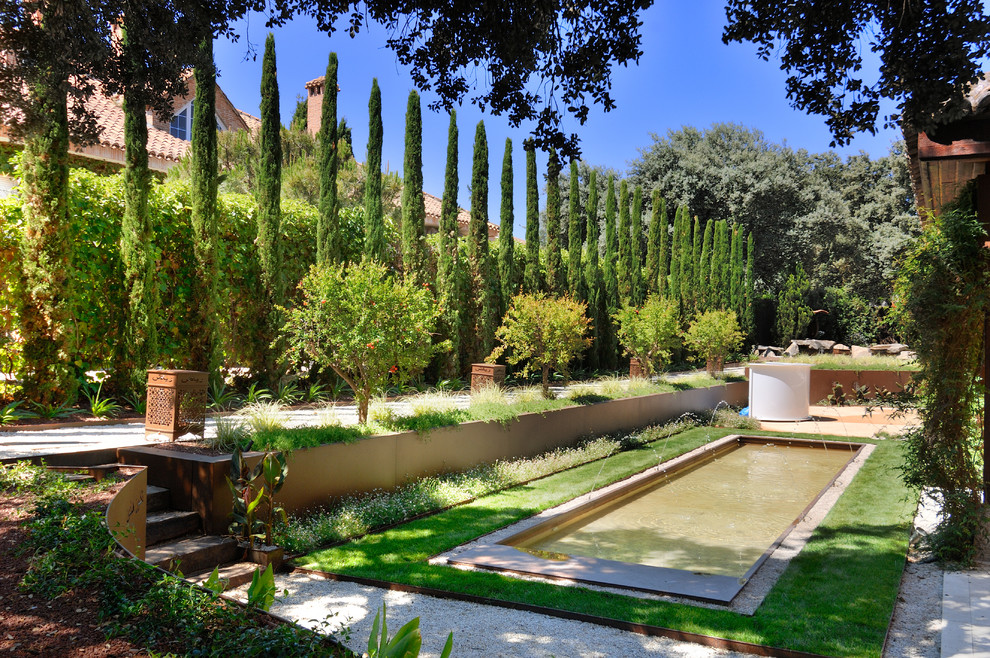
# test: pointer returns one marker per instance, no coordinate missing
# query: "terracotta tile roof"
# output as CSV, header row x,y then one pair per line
x,y
252,122
315,82
434,204
110,118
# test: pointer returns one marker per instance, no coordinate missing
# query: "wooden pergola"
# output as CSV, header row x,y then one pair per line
x,y
942,162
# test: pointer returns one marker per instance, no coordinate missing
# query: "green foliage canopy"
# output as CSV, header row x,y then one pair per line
x,y
368,328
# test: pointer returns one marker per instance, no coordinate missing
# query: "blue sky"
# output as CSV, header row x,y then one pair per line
x,y
686,76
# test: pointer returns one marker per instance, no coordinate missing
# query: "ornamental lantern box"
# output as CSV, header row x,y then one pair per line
x,y
176,403
484,375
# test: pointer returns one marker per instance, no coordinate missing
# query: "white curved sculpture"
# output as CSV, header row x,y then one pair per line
x,y
779,391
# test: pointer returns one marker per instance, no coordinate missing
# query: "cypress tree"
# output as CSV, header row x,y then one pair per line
x,y
329,247
484,303
695,301
138,345
687,267
203,350
555,268
736,272
574,270
676,255
450,276
593,283
749,315
506,246
269,207
413,205
623,271
374,219
612,304
663,261
531,277
705,269
652,282
636,244
270,177
720,257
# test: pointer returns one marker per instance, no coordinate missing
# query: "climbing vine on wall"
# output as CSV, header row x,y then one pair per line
x,y
941,297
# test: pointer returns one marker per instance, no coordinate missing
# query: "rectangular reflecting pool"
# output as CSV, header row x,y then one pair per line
x,y
699,528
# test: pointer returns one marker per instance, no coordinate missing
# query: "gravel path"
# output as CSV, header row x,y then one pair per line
x,y
479,631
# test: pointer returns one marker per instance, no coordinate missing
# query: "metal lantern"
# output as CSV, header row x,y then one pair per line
x,y
176,403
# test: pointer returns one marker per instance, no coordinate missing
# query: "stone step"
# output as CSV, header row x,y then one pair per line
x,y
194,554
158,499
169,524
232,575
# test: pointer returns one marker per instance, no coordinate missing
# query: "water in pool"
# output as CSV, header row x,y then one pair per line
x,y
716,518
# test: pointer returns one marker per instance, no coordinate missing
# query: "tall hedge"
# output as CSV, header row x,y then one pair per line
x,y
556,280
95,265
413,205
328,246
531,276
374,217
506,243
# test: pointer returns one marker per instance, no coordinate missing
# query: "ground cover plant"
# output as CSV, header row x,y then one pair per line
x,y
492,405
846,362
835,598
66,555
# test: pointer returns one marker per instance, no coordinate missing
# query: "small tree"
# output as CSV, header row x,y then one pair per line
x,y
545,332
649,334
713,336
793,314
368,328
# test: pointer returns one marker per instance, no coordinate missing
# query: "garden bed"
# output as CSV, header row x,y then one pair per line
x,y
316,474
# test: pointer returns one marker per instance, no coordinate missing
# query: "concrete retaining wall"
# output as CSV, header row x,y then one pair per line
x,y
317,474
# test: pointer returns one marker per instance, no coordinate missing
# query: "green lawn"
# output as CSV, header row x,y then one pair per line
x,y
835,598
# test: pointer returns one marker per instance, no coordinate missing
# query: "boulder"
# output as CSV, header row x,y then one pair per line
x,y
907,355
896,348
793,349
839,348
859,352
811,346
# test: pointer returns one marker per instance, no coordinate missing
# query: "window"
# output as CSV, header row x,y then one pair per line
x,y
181,125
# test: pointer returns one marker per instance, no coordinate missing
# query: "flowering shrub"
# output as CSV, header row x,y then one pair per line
x,y
370,329
649,334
